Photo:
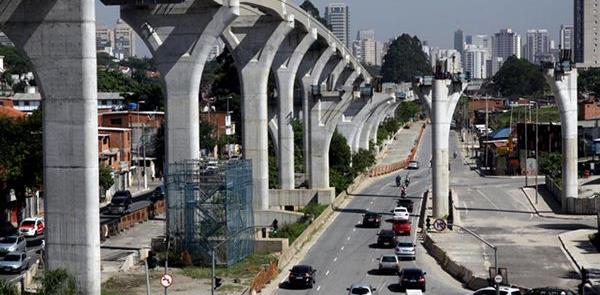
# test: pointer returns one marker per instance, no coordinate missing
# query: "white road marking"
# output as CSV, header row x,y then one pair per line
x,y
318,288
348,239
342,249
334,259
327,273
353,229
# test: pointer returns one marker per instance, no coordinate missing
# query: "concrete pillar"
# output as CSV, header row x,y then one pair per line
x,y
564,87
59,39
337,73
387,112
180,37
285,66
444,96
253,54
367,129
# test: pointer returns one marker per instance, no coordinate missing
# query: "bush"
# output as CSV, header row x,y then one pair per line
x,y
8,289
59,282
362,160
291,231
314,209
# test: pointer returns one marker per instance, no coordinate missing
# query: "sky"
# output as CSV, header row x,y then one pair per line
x,y
433,20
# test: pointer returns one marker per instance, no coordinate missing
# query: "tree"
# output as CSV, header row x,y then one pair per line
x,y
106,179
314,11
519,77
58,282
404,60
340,156
407,111
551,165
589,80
362,160
158,145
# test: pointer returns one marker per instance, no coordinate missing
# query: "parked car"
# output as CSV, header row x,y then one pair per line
x,y
406,249
120,202
413,165
13,244
31,227
361,289
504,290
14,262
412,278
402,227
406,203
158,193
389,263
371,219
302,275
401,213
550,291
386,237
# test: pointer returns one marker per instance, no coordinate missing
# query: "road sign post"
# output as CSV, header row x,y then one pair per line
x,y
166,281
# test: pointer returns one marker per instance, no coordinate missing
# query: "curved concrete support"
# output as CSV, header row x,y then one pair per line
x,y
285,66
253,41
336,73
58,37
365,131
382,116
564,87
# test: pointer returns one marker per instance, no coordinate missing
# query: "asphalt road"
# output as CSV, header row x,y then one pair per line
x,y
346,253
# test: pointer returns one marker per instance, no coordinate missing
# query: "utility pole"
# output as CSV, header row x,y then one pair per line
x,y
537,157
487,132
526,151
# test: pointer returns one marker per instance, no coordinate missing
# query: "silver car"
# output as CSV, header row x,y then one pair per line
x,y
405,249
388,263
14,262
361,289
13,244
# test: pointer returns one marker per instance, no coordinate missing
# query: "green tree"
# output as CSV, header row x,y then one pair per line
x,y
340,156
589,80
59,282
407,110
104,59
362,160
404,60
314,11
105,177
551,165
158,145
298,128
519,77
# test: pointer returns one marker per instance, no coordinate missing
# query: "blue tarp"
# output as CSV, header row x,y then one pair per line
x,y
501,133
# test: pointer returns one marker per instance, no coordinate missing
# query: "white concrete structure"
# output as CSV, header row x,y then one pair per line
x,y
338,18
441,96
564,87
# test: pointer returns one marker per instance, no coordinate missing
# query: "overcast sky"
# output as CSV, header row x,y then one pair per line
x,y
435,20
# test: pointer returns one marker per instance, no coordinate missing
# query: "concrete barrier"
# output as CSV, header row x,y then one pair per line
x,y
577,206
271,245
383,169
266,217
279,198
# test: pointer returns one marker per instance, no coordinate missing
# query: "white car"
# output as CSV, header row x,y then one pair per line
x,y
32,226
361,289
504,290
401,213
413,165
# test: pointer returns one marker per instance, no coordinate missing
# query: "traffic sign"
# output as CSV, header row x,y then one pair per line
x,y
439,224
498,279
166,280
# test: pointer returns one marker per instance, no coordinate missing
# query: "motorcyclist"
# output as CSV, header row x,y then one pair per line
x,y
455,155
398,180
407,180
402,191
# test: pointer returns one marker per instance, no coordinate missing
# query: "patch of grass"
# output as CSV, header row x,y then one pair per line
x,y
247,268
124,284
291,231
314,209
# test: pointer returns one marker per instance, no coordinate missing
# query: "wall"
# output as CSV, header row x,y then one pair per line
x,y
299,197
589,110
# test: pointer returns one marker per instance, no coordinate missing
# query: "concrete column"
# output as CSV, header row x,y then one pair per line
x,y
254,54
180,37
564,87
365,132
59,39
387,112
285,66
337,73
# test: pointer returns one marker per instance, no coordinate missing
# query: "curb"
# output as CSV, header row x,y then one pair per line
x,y
574,217
562,243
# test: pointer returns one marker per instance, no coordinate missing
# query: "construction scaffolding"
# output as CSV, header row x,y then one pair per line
x,y
209,202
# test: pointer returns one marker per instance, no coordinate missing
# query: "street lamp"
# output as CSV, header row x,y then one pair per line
x,y
138,149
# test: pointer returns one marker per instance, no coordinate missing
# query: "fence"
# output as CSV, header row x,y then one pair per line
x,y
388,168
263,277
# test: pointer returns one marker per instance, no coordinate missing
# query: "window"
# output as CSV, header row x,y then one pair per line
x,y
116,121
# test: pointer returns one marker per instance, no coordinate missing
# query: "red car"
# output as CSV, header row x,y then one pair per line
x,y
402,227
31,227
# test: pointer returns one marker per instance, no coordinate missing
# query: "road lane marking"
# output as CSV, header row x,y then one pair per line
x,y
348,239
342,249
334,259
354,229
327,273
318,288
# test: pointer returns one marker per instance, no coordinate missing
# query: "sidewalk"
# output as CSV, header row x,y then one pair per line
x,y
402,143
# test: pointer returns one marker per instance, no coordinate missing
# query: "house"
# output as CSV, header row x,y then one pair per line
x,y
31,101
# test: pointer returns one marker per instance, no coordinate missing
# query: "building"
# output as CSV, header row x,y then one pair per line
x,y
450,58
459,40
31,101
338,18
114,150
537,45
493,65
469,39
586,18
474,61
366,49
483,42
566,37
124,45
505,44
105,39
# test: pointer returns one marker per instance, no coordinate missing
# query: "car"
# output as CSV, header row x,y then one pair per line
x,y
13,244
371,219
504,290
31,227
361,289
402,227
158,193
405,249
413,165
550,291
401,213
302,275
412,278
386,237
389,263
406,203
120,202
14,262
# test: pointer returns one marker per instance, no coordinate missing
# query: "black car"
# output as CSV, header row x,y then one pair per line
x,y
412,278
158,193
302,275
406,203
550,291
386,237
371,219
120,202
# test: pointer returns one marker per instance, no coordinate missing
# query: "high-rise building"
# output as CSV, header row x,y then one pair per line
x,y
105,39
505,44
459,40
338,18
469,39
566,37
366,48
379,53
124,41
474,61
586,27
537,45
450,59
483,41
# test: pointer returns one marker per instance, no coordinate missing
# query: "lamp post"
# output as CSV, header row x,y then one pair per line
x,y
138,147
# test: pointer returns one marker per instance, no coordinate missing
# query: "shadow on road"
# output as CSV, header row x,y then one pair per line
x,y
378,272
350,210
286,285
377,246
395,288
494,210
564,226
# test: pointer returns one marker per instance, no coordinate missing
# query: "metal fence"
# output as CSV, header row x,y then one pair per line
x,y
208,202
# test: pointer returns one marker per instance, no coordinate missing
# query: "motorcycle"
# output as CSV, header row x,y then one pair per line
x,y
398,180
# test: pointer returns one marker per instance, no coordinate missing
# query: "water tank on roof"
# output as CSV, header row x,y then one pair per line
x,y
132,106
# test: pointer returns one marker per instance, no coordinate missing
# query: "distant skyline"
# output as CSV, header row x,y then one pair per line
x,y
433,20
